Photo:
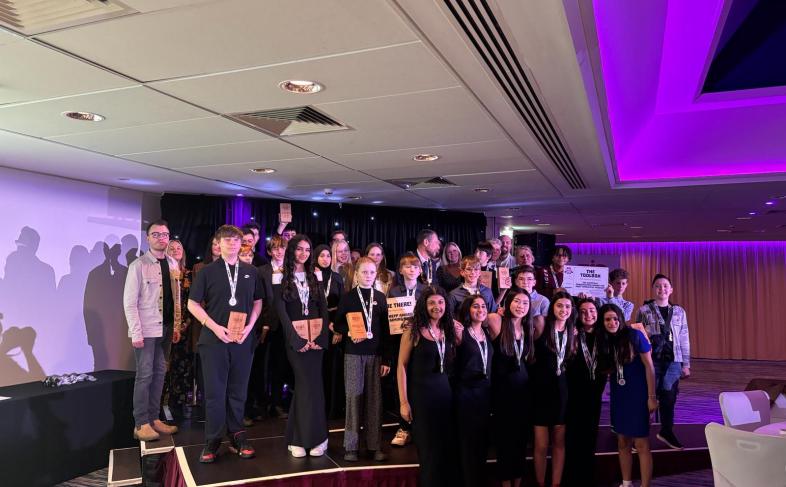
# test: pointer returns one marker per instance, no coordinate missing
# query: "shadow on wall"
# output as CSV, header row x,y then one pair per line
x,y
76,326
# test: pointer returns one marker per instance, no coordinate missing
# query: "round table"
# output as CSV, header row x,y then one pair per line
x,y
772,429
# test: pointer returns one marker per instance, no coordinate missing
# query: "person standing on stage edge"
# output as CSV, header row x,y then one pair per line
x,y
151,300
232,293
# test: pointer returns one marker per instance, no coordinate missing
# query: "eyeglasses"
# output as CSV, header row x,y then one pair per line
x,y
159,235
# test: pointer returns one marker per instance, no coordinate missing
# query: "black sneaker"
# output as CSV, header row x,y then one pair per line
x,y
239,445
670,439
351,456
210,451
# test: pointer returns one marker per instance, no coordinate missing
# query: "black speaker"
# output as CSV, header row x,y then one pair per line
x,y
542,245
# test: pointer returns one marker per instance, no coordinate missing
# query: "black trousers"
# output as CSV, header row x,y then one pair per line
x,y
225,368
257,398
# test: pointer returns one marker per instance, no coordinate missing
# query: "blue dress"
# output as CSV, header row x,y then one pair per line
x,y
629,413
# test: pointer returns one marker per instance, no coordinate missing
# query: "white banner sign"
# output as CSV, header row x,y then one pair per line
x,y
584,279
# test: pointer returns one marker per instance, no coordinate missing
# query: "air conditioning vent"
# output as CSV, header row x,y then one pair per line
x,y
484,32
30,17
423,183
289,121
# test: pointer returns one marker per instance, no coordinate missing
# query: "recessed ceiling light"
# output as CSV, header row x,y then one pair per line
x,y
723,230
84,116
353,197
425,157
544,224
506,216
636,227
377,202
537,220
770,203
560,234
514,208
300,86
263,170
751,213
239,194
743,218
481,190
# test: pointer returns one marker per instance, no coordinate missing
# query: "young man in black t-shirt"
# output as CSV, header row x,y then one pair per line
x,y
233,294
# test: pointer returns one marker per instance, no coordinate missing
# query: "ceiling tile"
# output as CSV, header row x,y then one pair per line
x,y
441,117
39,72
125,107
381,72
220,36
161,136
218,155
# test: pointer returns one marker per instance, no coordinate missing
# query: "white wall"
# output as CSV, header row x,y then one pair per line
x,y
62,300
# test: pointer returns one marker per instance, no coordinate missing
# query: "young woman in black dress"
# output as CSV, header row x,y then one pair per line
x,y
333,368
472,390
512,335
585,388
428,349
302,299
554,348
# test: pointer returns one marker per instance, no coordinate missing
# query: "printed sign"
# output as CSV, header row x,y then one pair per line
x,y
400,310
584,279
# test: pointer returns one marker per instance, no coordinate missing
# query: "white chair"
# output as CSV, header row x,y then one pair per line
x,y
745,410
743,459
778,411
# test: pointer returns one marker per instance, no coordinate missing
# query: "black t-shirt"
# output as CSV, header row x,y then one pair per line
x,y
380,328
169,301
211,286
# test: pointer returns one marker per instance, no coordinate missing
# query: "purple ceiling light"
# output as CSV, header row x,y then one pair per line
x,y
654,57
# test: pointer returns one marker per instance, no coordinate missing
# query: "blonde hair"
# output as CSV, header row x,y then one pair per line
x,y
445,253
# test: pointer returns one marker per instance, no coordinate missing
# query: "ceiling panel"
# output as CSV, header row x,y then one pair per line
x,y
220,36
7,37
37,155
217,155
162,136
124,107
381,72
448,116
496,154
33,72
382,197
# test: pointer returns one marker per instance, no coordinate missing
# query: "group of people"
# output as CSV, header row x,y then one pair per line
x,y
485,355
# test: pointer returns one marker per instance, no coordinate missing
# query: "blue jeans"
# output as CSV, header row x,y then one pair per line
x,y
667,381
149,383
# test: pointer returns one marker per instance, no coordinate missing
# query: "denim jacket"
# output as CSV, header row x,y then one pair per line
x,y
143,297
651,318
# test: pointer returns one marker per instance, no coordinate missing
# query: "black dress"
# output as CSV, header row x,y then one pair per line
x,y
472,401
307,424
511,404
549,390
431,400
583,416
333,367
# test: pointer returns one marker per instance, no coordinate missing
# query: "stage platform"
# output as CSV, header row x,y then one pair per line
x,y
174,460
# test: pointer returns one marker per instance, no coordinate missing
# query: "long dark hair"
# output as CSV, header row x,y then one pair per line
x,y
464,315
609,344
581,302
508,333
421,318
289,290
570,325
209,252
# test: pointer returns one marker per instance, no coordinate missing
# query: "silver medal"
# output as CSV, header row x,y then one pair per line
x,y
369,335
232,301
621,381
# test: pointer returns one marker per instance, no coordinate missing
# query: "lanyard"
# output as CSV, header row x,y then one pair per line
x,y
232,282
518,347
590,359
303,293
368,312
410,292
561,346
554,277
620,373
484,351
440,348
327,287
471,291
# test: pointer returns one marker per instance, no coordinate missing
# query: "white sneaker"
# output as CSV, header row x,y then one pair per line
x,y
318,450
297,451
402,438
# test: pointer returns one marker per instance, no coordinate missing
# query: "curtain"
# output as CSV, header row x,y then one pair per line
x,y
194,219
731,291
